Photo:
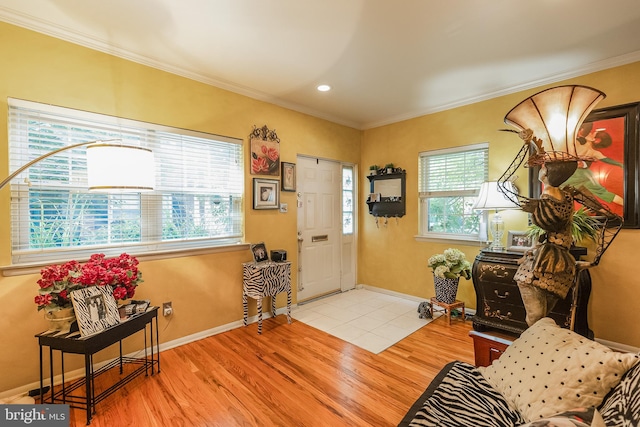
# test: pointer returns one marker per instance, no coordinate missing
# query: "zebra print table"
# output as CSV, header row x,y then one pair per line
x,y
265,279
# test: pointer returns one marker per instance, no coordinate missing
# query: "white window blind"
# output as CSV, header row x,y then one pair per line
x,y
197,201
448,184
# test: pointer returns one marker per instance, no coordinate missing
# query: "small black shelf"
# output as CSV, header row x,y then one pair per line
x,y
392,205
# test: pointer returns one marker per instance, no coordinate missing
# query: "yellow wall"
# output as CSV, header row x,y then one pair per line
x,y
390,257
206,290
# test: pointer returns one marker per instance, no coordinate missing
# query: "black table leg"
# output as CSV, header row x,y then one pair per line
x,y
88,384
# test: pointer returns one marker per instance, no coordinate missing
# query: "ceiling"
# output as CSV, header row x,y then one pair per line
x,y
385,60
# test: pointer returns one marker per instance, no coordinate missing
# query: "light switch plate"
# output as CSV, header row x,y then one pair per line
x,y
284,207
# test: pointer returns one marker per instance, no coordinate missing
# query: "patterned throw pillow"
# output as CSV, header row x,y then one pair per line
x,y
549,370
622,407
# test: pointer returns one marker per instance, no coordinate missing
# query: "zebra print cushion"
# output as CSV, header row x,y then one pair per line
x,y
464,398
621,408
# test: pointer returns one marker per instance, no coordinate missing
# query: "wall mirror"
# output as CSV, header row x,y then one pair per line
x,y
388,187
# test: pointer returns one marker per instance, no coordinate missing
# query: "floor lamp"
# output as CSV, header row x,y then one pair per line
x,y
110,166
491,198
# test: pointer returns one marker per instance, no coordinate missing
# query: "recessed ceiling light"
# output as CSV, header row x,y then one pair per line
x,y
324,88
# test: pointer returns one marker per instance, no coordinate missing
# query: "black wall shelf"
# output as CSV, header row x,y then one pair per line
x,y
385,204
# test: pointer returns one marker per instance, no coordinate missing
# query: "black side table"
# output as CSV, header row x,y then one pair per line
x,y
91,345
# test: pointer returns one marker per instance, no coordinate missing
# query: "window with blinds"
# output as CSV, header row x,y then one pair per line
x,y
196,203
449,182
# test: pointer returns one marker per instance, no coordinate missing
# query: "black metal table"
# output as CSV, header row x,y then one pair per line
x,y
90,345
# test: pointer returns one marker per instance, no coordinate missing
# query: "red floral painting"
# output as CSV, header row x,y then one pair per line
x,y
265,157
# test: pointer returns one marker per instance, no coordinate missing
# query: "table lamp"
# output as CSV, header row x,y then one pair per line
x,y
491,198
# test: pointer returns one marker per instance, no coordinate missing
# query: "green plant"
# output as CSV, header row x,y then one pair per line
x,y
583,227
374,167
389,166
450,264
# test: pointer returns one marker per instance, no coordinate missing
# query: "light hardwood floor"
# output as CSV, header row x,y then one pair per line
x,y
291,375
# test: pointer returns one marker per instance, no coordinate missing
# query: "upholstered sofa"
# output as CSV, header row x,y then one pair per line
x,y
549,376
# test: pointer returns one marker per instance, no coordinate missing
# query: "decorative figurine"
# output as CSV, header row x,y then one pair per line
x,y
548,271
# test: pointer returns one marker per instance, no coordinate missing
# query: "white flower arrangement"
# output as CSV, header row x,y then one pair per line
x,y
450,264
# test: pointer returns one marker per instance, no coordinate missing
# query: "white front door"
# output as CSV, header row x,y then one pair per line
x,y
319,227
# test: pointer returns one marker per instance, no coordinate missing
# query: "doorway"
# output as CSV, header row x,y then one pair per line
x,y
326,258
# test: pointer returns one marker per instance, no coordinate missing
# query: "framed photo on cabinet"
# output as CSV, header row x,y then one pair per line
x,y
96,309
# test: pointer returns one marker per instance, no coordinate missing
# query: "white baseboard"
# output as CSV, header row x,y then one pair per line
x,y
79,373
469,311
622,348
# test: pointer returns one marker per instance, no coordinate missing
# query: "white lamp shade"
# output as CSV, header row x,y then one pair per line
x,y
554,115
113,167
491,198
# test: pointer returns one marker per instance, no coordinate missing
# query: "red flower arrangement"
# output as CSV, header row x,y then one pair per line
x,y
58,281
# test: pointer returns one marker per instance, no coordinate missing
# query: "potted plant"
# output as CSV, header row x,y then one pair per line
x,y
447,268
58,281
373,169
583,227
389,167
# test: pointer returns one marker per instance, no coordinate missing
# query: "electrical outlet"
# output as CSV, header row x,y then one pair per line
x,y
167,309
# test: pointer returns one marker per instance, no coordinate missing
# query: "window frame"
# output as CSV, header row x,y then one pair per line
x,y
31,258
424,196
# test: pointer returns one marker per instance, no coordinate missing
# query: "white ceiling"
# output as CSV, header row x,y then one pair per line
x,y
387,60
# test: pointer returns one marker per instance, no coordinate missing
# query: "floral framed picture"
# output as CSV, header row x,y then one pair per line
x,y
266,193
518,241
611,137
288,176
96,309
265,151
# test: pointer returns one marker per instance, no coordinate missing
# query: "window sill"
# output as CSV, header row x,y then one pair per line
x,y
33,268
451,239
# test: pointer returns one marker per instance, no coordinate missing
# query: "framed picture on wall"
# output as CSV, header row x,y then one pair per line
x,y
265,151
611,137
266,193
288,176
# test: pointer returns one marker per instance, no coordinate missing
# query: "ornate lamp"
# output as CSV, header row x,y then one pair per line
x,y
554,117
110,166
490,198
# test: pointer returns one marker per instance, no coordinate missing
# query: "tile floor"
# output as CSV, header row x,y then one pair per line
x,y
368,319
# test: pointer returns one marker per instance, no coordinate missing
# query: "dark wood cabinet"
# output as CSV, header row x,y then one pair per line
x,y
499,305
